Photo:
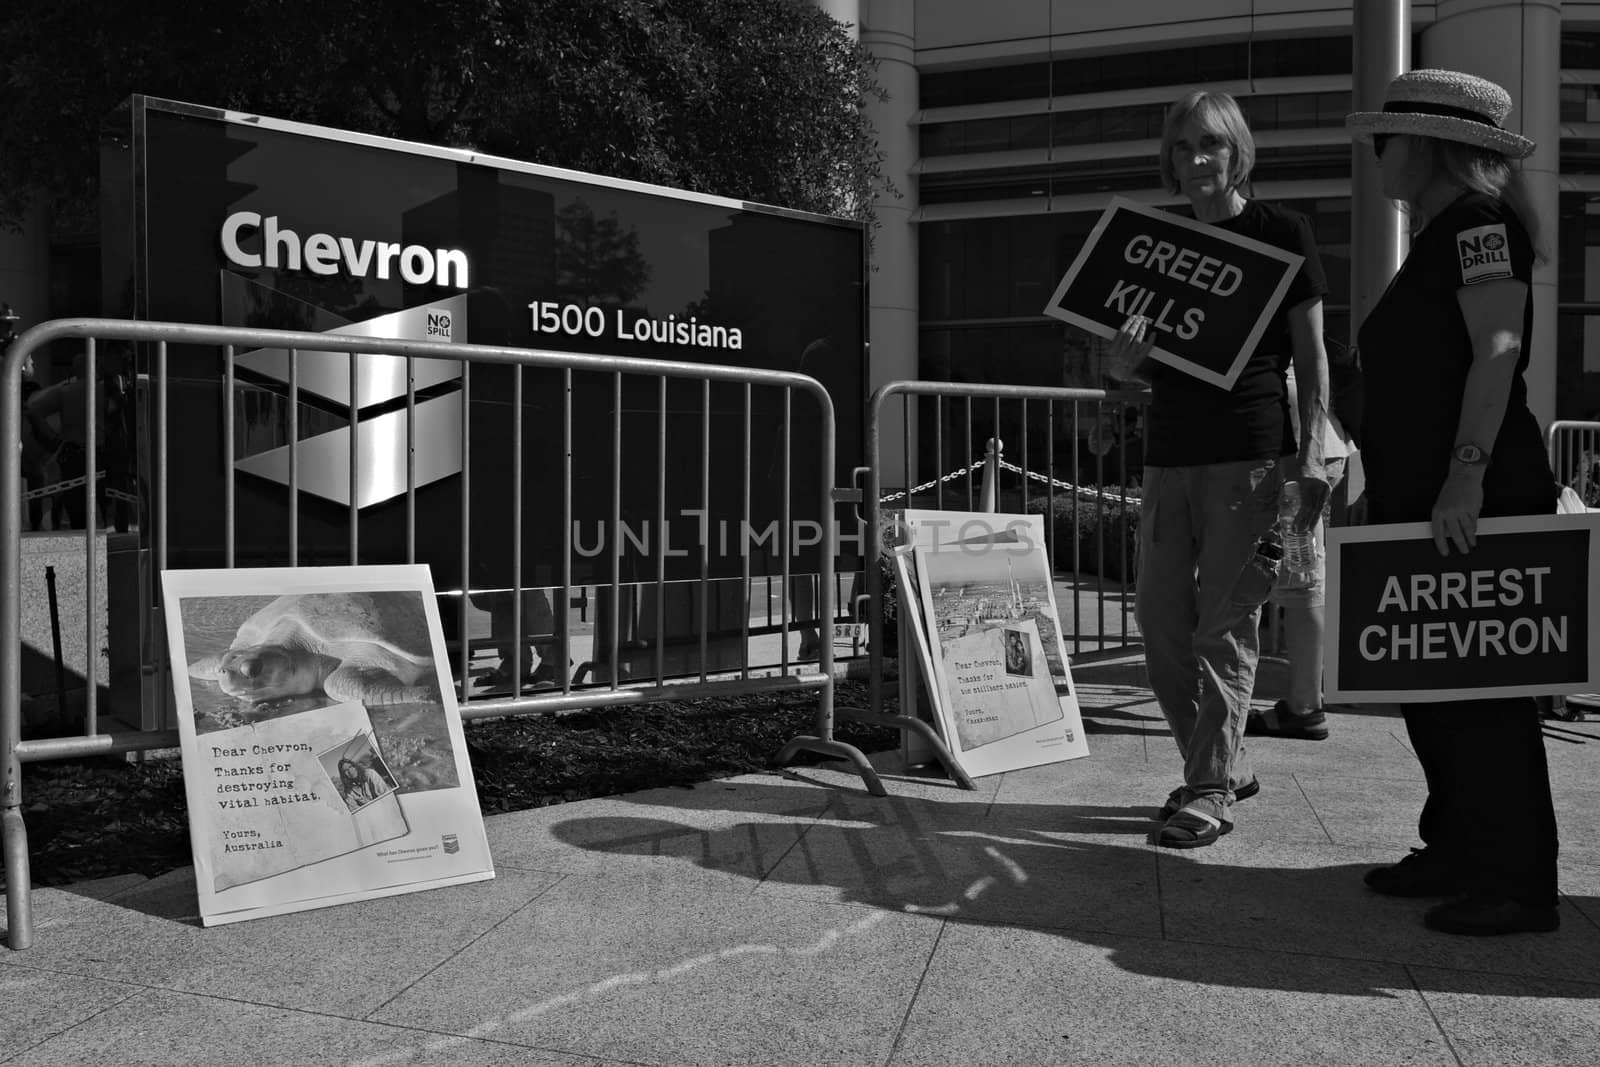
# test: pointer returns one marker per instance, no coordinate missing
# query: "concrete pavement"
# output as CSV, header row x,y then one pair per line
x,y
789,918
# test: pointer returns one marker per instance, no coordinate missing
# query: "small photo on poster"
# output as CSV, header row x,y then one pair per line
x,y
357,770
1019,657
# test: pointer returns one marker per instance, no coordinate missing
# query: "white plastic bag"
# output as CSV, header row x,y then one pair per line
x,y
1571,503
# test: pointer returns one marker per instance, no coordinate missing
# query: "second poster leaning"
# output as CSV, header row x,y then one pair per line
x,y
980,602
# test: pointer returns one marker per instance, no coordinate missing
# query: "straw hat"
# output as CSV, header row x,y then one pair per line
x,y
1446,104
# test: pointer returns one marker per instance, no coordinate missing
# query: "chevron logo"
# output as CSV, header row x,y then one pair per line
x,y
324,459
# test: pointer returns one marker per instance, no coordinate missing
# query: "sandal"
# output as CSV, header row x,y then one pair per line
x,y
1171,807
1191,829
1279,721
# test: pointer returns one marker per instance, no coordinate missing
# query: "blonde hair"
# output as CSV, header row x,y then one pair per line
x,y
1217,113
1480,170
1483,170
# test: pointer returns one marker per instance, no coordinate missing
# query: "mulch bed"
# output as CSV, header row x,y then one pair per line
x,y
97,818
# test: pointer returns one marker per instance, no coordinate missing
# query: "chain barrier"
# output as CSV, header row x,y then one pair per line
x,y
1084,490
925,486
61,487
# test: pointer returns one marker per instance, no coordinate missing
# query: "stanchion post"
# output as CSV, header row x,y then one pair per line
x,y
989,496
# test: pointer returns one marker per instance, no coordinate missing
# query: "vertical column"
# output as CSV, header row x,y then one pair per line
x,y
846,13
1378,241
888,30
1517,43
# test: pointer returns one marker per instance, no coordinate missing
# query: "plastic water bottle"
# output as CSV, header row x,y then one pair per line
x,y
1302,555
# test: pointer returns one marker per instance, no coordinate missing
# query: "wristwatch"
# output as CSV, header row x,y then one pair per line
x,y
1469,454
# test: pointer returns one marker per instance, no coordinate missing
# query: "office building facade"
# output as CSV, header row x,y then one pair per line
x,y
1010,124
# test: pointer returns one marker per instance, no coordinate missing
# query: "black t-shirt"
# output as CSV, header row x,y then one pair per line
x,y
1194,422
1415,354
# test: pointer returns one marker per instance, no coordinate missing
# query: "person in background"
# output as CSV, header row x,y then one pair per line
x,y
1448,438
541,653
1302,597
1213,474
67,437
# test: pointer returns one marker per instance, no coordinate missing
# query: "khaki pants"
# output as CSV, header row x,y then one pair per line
x,y
1198,530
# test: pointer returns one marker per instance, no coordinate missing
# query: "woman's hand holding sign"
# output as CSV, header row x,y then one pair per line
x,y
1130,348
1455,511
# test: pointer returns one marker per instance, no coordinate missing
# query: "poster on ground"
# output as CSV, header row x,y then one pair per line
x,y
323,755
1003,689
1516,616
1208,293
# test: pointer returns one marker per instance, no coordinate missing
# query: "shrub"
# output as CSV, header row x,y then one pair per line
x,y
1090,523
891,606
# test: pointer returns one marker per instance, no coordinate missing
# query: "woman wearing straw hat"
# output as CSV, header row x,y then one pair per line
x,y
1448,439
1215,463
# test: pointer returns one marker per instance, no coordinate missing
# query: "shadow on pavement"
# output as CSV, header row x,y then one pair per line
x,y
1157,913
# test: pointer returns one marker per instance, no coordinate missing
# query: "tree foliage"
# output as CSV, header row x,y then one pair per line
x,y
596,258
755,99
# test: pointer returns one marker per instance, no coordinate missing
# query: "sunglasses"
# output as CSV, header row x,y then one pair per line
x,y
1380,141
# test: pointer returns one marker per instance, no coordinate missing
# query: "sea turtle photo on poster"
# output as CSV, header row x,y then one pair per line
x,y
370,648
259,658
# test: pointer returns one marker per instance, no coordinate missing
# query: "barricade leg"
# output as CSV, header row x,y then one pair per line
x,y
838,750
825,744
19,907
929,736
915,725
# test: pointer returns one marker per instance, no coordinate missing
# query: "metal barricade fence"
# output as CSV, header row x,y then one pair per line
x,y
996,413
1574,449
307,348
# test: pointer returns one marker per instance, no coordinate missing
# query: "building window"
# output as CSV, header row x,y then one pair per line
x,y
992,268
985,135
1023,81
1302,163
1234,61
1578,287
1127,173
1580,50
1580,103
1580,155
997,268
1062,179
1296,111
1136,122
1020,184
1299,57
